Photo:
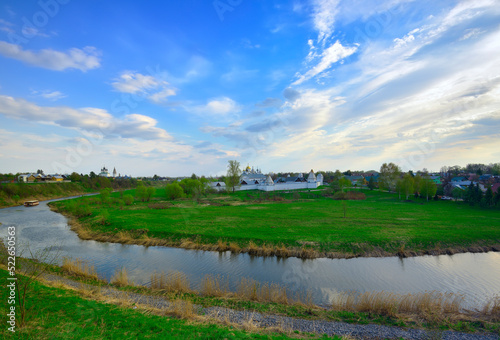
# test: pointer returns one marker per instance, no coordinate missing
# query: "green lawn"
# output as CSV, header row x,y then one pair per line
x,y
381,222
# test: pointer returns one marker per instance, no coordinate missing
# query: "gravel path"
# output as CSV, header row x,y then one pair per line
x,y
330,328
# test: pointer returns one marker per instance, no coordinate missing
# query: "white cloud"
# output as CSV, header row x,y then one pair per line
x,y
217,108
81,59
330,56
50,95
324,14
90,119
157,90
222,106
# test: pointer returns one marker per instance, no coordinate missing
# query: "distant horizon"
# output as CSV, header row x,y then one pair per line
x,y
183,87
241,168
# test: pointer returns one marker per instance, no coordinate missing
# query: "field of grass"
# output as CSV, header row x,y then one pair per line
x,y
306,222
57,313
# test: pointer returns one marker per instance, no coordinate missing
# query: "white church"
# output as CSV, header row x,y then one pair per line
x,y
252,179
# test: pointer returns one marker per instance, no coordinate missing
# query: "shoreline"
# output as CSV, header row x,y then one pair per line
x,y
141,238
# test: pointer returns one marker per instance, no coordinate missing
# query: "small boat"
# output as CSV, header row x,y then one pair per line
x,y
31,203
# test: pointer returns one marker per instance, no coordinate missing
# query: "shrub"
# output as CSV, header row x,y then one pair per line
x,y
128,199
174,191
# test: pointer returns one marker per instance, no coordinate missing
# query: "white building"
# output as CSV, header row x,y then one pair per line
x,y
104,172
255,180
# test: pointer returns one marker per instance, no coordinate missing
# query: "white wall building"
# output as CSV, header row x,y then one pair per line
x,y
255,180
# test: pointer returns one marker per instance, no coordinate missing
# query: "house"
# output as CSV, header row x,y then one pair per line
x,y
26,178
356,180
496,188
375,178
436,179
459,179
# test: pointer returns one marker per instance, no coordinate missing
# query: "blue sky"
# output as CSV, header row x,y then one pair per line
x,y
172,88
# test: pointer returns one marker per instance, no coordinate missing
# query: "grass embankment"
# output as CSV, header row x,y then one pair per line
x,y
304,224
68,313
56,313
14,194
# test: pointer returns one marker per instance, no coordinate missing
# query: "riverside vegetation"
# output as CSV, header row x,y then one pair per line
x,y
79,304
12,194
305,224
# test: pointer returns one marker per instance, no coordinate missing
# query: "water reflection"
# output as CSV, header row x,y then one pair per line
x,y
475,275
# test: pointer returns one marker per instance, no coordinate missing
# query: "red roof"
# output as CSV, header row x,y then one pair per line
x,y
495,187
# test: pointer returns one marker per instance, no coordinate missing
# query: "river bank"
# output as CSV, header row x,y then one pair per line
x,y
304,227
256,317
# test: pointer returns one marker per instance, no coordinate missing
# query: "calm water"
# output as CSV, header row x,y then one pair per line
x,y
475,275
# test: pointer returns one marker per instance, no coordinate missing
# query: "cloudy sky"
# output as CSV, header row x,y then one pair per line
x,y
176,87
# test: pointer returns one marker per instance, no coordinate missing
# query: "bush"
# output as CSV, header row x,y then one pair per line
x,y
128,199
351,195
339,195
174,191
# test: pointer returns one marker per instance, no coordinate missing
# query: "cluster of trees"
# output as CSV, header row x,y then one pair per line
x,y
339,182
477,168
474,195
391,178
193,187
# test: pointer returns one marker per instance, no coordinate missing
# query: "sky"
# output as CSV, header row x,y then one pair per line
x,y
180,87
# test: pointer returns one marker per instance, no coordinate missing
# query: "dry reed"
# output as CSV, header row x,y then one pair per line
x,y
182,308
250,289
492,308
120,278
427,303
214,286
79,267
173,282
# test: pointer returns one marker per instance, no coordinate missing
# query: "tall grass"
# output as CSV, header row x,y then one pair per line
x,y
492,308
249,289
214,286
79,267
391,304
120,278
172,282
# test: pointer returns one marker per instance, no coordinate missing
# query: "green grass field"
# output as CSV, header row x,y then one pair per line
x,y
380,224
56,313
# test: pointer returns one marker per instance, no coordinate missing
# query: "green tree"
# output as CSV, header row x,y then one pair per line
x,y
174,191
428,188
408,184
488,197
141,192
389,175
371,183
417,184
150,191
457,193
233,175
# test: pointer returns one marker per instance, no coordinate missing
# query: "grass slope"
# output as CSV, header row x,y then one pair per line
x,y
62,314
382,224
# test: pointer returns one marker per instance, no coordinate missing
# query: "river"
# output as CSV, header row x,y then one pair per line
x,y
477,276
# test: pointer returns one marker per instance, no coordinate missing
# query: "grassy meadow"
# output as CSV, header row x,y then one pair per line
x,y
305,224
